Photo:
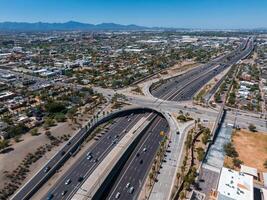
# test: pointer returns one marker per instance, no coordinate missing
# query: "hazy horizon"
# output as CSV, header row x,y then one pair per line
x,y
195,14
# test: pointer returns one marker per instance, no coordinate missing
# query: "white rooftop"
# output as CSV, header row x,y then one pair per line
x,y
235,185
265,179
249,170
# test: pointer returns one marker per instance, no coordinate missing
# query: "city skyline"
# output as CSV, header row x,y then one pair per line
x,y
207,14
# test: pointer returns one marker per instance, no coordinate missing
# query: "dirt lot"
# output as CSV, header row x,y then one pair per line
x,y
252,148
9,161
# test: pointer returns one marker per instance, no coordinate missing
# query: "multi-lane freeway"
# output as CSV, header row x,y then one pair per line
x,y
94,155
179,88
131,178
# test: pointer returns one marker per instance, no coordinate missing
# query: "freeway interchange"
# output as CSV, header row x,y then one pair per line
x,y
130,179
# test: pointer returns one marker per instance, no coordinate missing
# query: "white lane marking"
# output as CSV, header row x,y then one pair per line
x,y
150,132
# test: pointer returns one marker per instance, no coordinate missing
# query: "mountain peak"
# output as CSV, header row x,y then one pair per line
x,y
70,25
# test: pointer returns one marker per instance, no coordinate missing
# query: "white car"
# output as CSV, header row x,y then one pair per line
x,y
67,182
131,190
118,195
128,185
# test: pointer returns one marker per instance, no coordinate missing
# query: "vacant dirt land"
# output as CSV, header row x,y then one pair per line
x,y
252,148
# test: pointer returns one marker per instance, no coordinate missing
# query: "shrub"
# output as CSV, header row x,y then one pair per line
x,y
237,162
230,150
34,132
60,117
200,153
252,128
54,107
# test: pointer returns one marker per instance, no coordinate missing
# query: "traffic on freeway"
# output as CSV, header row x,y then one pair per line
x,y
131,178
179,88
66,187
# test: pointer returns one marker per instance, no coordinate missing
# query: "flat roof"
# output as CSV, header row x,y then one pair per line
x,y
235,185
249,170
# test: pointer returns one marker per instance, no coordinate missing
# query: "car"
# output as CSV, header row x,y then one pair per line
x,y
63,152
145,149
129,119
95,160
89,153
109,137
138,154
116,136
64,192
68,143
118,195
47,169
141,161
50,196
68,181
80,179
131,190
128,185
89,157
114,141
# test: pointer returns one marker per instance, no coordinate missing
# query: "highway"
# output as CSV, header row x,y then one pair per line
x,y
25,192
179,88
175,88
182,87
136,168
85,166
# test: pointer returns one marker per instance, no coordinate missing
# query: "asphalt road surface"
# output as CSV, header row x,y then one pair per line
x,y
136,168
88,163
179,88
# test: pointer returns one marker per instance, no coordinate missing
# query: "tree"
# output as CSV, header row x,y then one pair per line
x,y
34,131
182,195
237,162
49,122
60,117
54,107
178,176
4,144
17,130
265,164
17,138
151,176
230,150
200,153
252,127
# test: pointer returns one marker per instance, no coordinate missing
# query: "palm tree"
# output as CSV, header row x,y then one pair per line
x,y
178,176
151,176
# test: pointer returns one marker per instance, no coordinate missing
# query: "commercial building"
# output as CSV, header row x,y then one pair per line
x,y
235,185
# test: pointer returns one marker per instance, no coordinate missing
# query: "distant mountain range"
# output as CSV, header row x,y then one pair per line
x,y
68,26
78,26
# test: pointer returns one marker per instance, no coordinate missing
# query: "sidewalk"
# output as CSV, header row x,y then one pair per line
x,y
166,179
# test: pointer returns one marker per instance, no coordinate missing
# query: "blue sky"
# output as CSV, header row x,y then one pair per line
x,y
166,13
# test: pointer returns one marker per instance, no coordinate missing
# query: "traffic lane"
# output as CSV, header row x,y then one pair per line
x,y
134,171
100,156
40,174
133,155
83,166
170,84
178,83
114,129
173,82
187,93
